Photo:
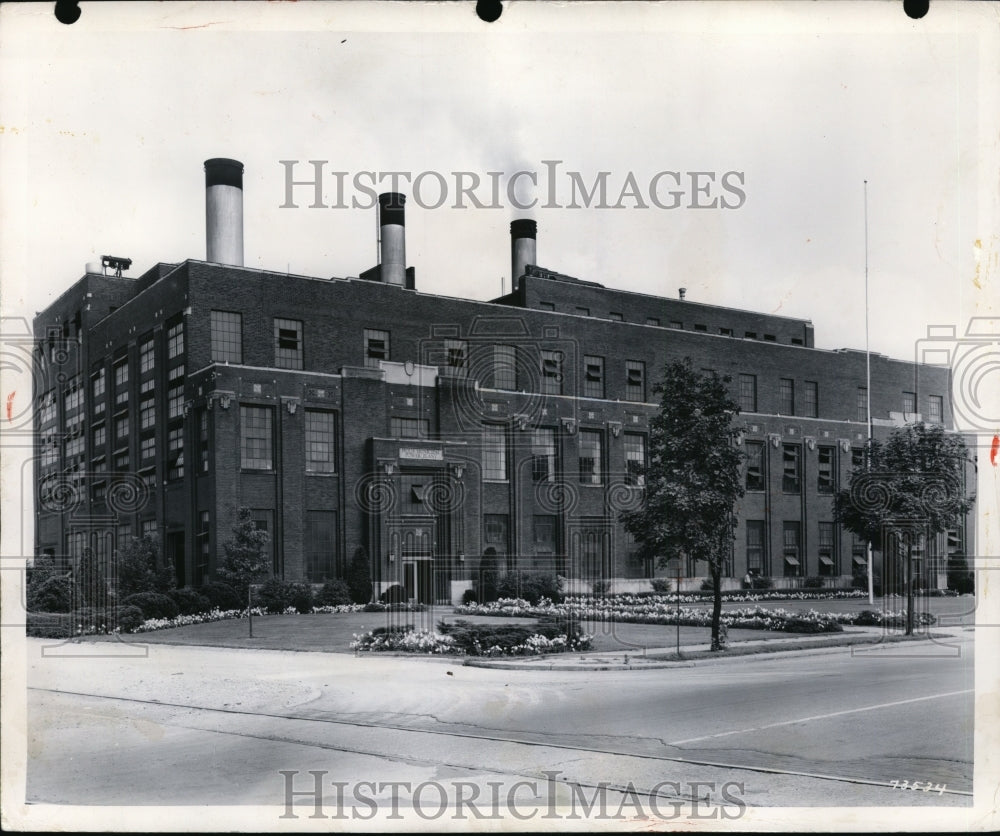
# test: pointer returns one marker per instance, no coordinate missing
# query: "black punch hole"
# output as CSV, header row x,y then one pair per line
x,y
489,10
67,11
916,8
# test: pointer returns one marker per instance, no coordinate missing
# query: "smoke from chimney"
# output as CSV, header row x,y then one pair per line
x,y
224,211
522,248
392,230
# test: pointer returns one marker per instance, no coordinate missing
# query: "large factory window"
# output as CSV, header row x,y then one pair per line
x,y
593,380
494,454
635,380
319,441
376,347
255,438
551,372
287,343
590,457
227,337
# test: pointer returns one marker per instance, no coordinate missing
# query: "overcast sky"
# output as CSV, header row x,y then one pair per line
x,y
107,124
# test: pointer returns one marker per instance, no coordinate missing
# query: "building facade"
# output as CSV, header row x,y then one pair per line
x,y
360,413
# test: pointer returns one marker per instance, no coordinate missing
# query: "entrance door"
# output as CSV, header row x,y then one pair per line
x,y
418,581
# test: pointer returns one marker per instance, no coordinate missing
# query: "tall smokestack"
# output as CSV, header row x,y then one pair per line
x,y
224,211
522,248
392,230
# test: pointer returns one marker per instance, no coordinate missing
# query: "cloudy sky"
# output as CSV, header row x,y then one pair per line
x,y
106,124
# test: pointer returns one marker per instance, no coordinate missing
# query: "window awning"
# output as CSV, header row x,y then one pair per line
x,y
860,561
791,560
826,560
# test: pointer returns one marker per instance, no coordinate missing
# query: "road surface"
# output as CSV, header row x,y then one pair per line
x,y
210,726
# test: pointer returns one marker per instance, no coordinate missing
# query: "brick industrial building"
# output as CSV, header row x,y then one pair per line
x,y
428,429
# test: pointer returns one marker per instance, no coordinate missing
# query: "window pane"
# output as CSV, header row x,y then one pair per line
x,y
494,454
825,470
862,404
791,469
635,380
227,337
255,438
748,392
504,367
755,466
787,391
812,399
287,343
590,457
935,409
551,377
319,442
593,377
376,347
175,340
321,545
635,459
543,455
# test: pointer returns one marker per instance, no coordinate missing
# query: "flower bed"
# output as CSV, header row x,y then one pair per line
x,y
477,639
646,610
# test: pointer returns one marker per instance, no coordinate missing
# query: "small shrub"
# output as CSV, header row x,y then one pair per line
x,y
275,595
391,629
813,583
189,602
395,594
600,588
489,576
761,582
359,577
152,605
54,594
707,585
801,625
661,585
531,586
129,618
221,596
469,597
335,593
302,598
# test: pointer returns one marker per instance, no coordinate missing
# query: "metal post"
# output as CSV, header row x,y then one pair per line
x,y
868,397
678,583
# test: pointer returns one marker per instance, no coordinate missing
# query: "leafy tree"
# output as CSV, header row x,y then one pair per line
x,y
359,576
912,479
693,479
246,558
137,566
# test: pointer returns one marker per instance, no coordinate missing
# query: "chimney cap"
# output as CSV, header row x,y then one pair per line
x,y
221,171
523,228
391,200
682,291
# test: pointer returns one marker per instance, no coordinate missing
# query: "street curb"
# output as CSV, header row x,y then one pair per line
x,y
500,664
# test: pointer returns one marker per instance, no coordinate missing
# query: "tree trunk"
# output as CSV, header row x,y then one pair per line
x,y
909,587
716,571
250,608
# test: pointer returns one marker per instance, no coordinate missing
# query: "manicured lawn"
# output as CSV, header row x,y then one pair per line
x,y
335,632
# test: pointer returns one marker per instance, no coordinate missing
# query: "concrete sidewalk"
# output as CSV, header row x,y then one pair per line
x,y
700,654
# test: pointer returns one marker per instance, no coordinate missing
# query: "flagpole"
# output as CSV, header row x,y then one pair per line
x,y
868,399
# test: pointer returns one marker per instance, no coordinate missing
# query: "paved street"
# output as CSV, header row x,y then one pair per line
x,y
198,725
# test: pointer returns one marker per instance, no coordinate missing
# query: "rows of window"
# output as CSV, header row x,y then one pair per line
x,y
495,452
793,562
787,404
257,439
791,467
